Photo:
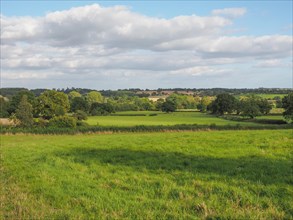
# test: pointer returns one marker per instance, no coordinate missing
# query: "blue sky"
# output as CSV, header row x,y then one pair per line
x,y
265,25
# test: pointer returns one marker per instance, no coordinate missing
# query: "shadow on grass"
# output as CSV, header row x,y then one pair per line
x,y
253,168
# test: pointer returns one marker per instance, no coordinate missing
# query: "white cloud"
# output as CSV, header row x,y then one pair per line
x,y
97,42
230,12
273,63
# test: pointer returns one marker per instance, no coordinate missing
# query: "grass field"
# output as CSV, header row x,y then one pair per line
x,y
187,175
161,119
266,96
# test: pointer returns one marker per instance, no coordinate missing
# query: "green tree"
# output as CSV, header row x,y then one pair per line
x,y
249,108
287,102
101,109
80,115
79,103
4,105
73,94
168,106
93,97
159,103
224,103
15,100
264,106
204,103
24,112
52,103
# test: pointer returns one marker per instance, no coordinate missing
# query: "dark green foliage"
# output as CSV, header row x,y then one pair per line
x,y
63,122
52,103
82,124
79,103
288,106
169,106
15,100
249,108
264,106
224,103
101,109
4,105
80,115
24,112
140,128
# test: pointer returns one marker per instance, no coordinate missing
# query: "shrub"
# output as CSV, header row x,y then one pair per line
x,y
82,124
41,122
80,115
63,122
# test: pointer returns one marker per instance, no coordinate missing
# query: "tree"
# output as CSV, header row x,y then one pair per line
x,y
73,94
287,102
80,115
4,105
168,106
264,106
224,103
52,103
159,103
249,108
79,103
204,103
101,109
93,97
15,100
24,112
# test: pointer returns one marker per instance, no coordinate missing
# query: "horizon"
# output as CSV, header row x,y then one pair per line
x,y
145,89
124,44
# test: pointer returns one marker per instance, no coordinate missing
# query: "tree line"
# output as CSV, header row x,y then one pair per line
x,y
61,109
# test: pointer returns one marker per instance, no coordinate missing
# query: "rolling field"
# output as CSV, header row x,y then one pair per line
x,y
161,119
187,175
265,96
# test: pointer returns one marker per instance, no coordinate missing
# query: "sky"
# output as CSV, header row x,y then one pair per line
x,y
146,44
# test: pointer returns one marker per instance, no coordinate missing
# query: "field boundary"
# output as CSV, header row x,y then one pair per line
x,y
137,129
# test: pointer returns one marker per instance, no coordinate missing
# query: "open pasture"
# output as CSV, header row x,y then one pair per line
x,y
161,119
265,95
187,175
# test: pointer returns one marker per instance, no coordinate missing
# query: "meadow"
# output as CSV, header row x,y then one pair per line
x,y
265,95
164,119
173,175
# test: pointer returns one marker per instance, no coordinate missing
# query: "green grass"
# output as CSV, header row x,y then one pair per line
x,y
266,96
160,119
186,175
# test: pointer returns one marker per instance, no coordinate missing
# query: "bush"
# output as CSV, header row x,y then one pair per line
x,y
41,122
154,114
80,115
63,122
82,124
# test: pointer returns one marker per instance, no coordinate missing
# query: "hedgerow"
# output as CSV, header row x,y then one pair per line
x,y
140,128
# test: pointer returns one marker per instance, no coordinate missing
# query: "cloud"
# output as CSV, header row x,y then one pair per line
x,y
273,63
112,27
230,12
104,43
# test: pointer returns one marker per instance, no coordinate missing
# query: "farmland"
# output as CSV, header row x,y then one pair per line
x,y
164,119
217,174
